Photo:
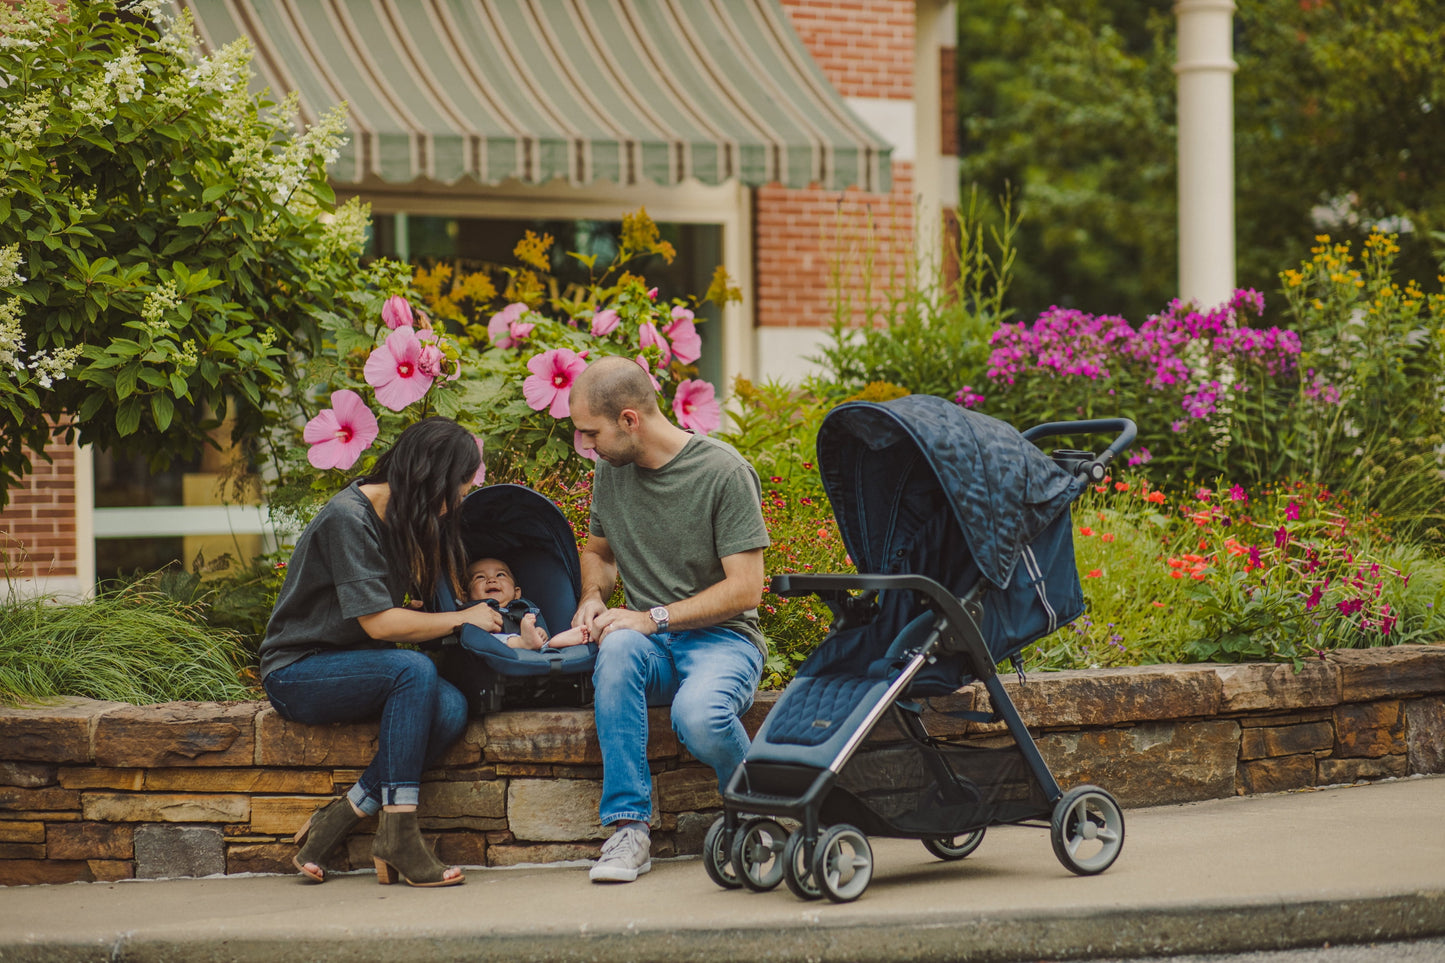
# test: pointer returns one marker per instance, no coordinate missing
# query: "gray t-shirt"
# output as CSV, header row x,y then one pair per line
x,y
337,573
669,528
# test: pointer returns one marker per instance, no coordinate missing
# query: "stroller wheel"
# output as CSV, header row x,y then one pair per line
x,y
954,847
716,847
1087,830
757,854
797,868
843,864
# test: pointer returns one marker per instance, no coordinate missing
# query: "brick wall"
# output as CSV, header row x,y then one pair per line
x,y
37,528
803,237
99,790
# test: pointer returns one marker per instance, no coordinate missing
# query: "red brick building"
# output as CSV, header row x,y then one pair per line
x,y
868,83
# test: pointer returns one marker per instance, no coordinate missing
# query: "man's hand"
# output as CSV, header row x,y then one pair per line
x,y
621,619
587,613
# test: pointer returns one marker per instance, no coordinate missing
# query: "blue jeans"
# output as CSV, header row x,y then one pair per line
x,y
421,714
709,677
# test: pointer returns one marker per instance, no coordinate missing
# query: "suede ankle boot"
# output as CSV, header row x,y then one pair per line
x,y
322,833
399,849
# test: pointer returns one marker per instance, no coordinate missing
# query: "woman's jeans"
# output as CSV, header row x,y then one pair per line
x,y
421,713
709,677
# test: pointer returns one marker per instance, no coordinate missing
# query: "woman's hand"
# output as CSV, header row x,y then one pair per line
x,y
483,617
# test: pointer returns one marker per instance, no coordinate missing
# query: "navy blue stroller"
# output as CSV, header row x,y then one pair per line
x,y
524,529
961,533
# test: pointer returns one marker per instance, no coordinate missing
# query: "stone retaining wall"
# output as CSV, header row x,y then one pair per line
x,y
99,790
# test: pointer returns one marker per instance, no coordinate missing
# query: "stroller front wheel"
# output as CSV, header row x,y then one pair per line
x,y
1087,830
717,858
757,854
843,864
798,870
954,847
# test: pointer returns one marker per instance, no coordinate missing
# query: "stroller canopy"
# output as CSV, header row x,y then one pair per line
x,y
524,529
887,467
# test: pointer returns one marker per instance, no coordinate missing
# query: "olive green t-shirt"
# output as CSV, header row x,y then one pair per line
x,y
669,528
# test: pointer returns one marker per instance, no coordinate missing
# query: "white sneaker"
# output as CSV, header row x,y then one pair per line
x,y
626,855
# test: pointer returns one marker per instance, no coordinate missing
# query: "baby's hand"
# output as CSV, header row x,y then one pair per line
x,y
532,636
573,636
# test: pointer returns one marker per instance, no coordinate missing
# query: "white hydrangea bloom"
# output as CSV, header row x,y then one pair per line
x,y
12,336
161,299
10,261
94,103
25,123
125,75
51,366
345,229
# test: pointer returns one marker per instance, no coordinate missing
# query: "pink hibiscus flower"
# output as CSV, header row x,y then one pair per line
x,y
686,342
642,363
396,312
589,453
481,476
506,328
339,434
394,370
604,323
647,335
550,383
696,407
432,359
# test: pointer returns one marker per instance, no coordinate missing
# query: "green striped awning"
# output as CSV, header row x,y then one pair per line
x,y
624,91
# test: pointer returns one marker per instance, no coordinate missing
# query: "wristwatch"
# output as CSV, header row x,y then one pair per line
x,y
659,615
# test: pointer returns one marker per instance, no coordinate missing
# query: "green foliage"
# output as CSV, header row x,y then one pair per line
x,y
1072,105
929,332
169,237
137,645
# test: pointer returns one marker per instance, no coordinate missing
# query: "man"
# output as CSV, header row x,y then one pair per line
x,y
679,516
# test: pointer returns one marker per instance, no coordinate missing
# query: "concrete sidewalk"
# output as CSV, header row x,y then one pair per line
x,y
1258,872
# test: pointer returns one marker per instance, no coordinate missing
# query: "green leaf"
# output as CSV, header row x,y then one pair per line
x,y
196,218
162,408
127,417
216,191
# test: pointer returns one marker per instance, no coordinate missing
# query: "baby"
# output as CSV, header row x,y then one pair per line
x,y
491,579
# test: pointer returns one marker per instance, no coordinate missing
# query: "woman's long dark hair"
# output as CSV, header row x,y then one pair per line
x,y
426,469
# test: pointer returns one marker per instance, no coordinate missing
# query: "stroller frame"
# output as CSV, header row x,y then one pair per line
x,y
756,852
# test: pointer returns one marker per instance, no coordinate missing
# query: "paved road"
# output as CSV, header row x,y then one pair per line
x,y
1355,864
1414,951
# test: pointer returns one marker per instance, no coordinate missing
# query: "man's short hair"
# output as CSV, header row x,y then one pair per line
x,y
613,383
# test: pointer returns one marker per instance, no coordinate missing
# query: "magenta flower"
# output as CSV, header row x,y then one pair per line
x,y
339,434
480,477
1291,512
1237,494
682,332
1281,537
1314,598
967,397
396,312
604,322
395,372
648,335
506,329
1254,559
577,444
550,383
696,407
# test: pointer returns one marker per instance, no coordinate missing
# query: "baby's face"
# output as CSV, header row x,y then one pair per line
x,y
489,578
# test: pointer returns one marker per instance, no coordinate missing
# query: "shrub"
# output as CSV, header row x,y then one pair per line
x,y
167,239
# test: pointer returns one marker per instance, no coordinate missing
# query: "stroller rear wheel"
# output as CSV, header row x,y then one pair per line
x,y
954,847
843,864
717,858
757,853
798,870
1087,830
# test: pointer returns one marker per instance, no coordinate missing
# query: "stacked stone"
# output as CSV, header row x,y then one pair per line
x,y
99,790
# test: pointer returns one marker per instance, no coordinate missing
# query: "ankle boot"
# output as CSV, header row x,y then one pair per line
x,y
399,849
322,833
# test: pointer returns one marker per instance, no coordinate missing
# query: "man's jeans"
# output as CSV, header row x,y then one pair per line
x,y
421,714
709,677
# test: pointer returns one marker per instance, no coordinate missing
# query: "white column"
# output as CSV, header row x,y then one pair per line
x,y
1205,66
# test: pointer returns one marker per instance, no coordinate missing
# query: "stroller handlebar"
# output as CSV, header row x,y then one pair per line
x,y
1085,463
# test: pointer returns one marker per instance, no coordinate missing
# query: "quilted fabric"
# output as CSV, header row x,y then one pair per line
x,y
1001,489
812,709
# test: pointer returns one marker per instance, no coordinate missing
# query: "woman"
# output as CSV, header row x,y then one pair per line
x,y
329,654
